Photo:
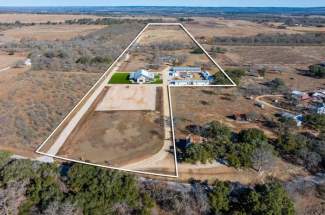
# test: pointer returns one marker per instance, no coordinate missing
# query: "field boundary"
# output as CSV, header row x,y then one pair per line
x,y
99,84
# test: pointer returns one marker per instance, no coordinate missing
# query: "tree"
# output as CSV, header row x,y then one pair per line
x,y
219,197
97,190
317,71
277,85
263,157
252,136
268,199
316,121
216,130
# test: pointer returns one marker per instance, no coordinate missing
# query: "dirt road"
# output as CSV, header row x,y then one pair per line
x,y
258,99
163,159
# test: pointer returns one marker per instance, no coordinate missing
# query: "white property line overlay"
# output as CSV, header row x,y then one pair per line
x,y
169,98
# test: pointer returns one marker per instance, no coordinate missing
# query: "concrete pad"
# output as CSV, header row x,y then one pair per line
x,y
128,97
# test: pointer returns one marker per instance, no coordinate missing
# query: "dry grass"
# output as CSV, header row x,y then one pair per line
x,y
9,60
33,103
47,32
201,105
40,18
209,27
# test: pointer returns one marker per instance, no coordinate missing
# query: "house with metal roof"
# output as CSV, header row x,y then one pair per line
x,y
142,76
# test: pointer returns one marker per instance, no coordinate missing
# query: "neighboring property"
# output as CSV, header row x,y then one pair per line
x,y
194,139
300,96
297,118
142,76
319,108
28,62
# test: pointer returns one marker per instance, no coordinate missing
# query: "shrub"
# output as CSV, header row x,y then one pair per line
x,y
219,197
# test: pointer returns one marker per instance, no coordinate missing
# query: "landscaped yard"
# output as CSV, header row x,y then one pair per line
x,y
120,78
157,80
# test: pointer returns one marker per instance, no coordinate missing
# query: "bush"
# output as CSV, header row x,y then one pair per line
x,y
197,50
252,136
317,71
97,190
315,121
234,74
219,197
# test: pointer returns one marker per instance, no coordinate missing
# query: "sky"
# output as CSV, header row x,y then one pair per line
x,y
192,3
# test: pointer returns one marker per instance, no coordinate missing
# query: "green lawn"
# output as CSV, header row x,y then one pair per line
x,y
157,80
120,78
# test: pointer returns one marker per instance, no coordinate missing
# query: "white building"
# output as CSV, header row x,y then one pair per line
x,y
142,76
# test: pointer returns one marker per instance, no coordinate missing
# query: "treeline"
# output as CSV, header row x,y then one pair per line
x,y
273,39
250,148
109,21
31,187
287,20
91,53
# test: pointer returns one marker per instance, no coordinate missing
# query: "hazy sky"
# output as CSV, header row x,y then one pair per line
x,y
203,3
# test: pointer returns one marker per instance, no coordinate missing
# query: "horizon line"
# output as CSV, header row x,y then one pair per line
x,y
39,6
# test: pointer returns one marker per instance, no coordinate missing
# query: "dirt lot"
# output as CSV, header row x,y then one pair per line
x,y
120,97
47,32
116,138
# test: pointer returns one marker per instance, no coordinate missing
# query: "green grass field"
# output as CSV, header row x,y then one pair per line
x,y
120,78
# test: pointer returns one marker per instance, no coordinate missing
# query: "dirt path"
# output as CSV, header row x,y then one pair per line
x,y
163,159
54,149
258,99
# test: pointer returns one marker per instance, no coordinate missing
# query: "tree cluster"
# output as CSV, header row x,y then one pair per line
x,y
249,148
273,39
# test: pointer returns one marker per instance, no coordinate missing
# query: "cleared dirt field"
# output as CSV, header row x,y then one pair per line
x,y
47,32
117,138
121,97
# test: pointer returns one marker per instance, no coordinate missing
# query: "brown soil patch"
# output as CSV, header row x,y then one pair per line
x,y
116,138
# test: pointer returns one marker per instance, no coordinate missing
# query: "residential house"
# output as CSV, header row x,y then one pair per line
x,y
319,108
194,139
297,118
142,76
298,95
207,76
